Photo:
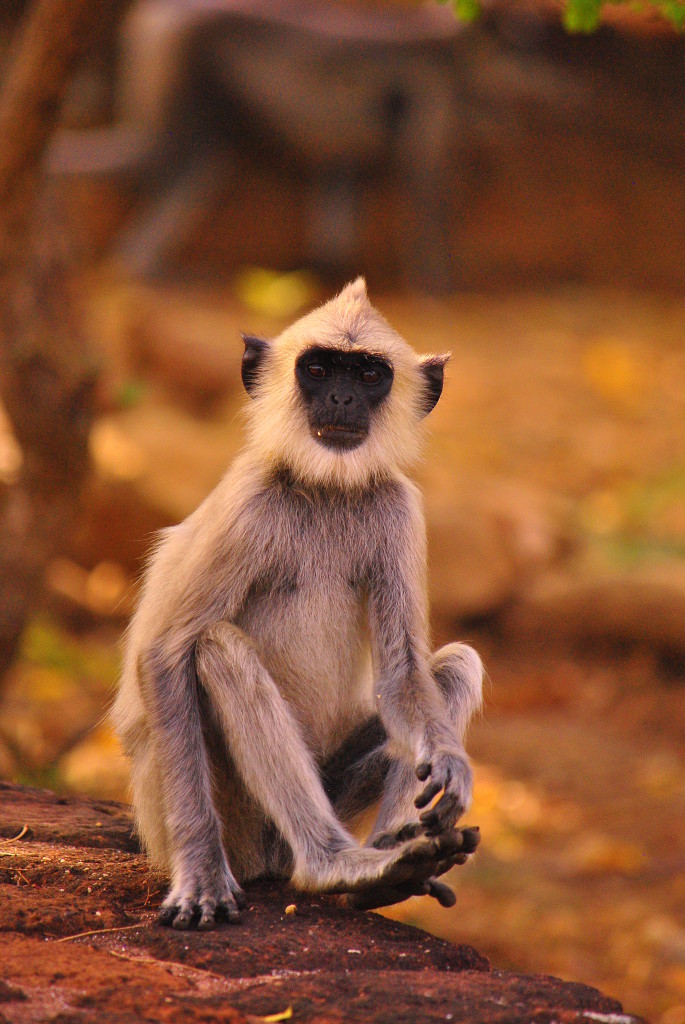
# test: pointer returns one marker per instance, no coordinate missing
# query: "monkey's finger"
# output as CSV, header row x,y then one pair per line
x,y
423,770
441,892
183,919
166,915
229,911
425,797
240,898
443,815
179,912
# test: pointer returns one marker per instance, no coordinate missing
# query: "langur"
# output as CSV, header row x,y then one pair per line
x,y
277,676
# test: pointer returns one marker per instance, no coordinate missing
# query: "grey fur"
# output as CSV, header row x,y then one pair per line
x,y
280,651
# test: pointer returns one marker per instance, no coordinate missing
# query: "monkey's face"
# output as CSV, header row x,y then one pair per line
x,y
339,397
341,390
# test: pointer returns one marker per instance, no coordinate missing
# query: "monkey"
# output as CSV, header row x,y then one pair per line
x,y
277,678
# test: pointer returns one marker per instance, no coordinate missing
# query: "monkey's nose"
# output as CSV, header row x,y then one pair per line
x,y
345,401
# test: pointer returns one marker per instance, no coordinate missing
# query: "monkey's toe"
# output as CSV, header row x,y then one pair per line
x,y
418,859
471,837
388,895
385,895
389,840
441,892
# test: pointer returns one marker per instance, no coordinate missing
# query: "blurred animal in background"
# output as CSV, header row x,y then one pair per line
x,y
335,93
278,679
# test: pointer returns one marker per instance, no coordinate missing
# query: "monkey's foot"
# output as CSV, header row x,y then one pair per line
x,y
383,895
368,871
389,840
387,896
202,900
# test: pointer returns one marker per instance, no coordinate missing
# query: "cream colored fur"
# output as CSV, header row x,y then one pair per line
x,y
297,607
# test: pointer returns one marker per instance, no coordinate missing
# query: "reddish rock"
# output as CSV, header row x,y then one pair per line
x,y
81,943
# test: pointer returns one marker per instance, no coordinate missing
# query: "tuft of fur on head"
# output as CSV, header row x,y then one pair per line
x,y
278,428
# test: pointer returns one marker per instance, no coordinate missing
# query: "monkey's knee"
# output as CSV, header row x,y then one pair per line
x,y
458,671
223,651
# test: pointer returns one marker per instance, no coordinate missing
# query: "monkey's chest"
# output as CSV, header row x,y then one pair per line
x,y
313,640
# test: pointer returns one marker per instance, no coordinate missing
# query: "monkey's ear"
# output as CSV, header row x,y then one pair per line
x,y
355,289
433,373
253,356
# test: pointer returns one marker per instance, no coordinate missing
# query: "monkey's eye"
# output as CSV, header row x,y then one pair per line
x,y
369,376
316,370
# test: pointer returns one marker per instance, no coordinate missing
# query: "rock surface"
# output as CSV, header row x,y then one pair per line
x,y
80,943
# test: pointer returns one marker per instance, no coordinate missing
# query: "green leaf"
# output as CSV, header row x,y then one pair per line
x,y
674,11
582,15
467,10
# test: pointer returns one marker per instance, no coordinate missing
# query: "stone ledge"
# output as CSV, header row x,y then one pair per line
x,y
76,870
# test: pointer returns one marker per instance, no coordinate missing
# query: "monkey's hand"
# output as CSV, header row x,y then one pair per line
x,y
204,896
450,772
388,895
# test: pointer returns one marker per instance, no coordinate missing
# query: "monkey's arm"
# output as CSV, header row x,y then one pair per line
x,y
410,703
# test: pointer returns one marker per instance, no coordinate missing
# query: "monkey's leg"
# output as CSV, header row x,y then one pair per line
x,y
202,884
354,775
279,772
458,671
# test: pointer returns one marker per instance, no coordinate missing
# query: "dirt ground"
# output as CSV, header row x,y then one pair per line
x,y
570,404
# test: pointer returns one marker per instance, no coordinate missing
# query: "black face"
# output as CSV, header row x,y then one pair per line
x,y
340,391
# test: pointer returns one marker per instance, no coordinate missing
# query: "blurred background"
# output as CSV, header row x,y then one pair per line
x,y
513,192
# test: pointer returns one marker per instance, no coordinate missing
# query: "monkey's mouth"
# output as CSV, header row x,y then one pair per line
x,y
338,437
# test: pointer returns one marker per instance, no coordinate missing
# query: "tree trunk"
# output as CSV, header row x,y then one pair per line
x,y
46,373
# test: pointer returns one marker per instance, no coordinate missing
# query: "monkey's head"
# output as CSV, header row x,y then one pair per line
x,y
339,396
